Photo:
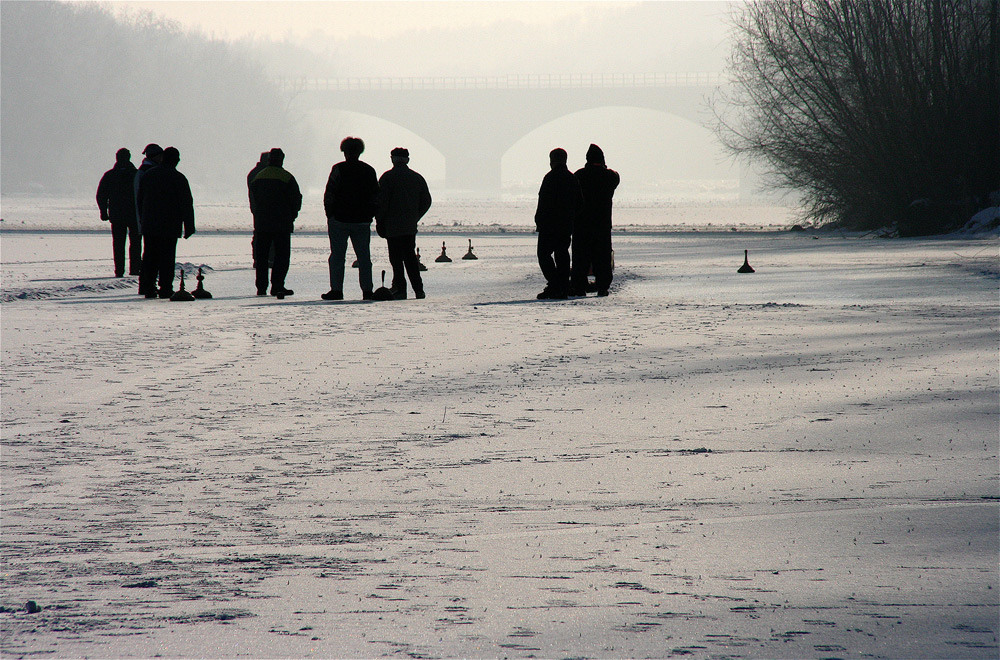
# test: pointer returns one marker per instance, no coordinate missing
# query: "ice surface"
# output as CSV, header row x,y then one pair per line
x,y
799,462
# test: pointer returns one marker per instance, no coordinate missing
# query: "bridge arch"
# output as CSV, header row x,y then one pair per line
x,y
656,145
473,122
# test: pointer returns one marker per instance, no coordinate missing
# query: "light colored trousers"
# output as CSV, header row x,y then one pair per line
x,y
360,234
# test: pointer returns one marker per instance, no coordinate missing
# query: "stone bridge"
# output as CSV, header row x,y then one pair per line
x,y
495,112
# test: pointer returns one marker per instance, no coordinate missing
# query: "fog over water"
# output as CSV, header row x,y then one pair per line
x,y
82,79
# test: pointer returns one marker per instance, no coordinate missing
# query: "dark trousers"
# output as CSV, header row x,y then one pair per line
x,y
119,232
158,259
592,250
403,255
553,258
262,242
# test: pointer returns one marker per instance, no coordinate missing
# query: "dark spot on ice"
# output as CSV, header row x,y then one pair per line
x,y
145,584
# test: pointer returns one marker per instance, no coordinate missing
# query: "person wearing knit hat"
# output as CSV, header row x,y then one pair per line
x,y
275,202
403,199
153,156
166,212
592,232
559,202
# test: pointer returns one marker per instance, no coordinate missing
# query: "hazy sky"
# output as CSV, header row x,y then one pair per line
x,y
298,18
466,37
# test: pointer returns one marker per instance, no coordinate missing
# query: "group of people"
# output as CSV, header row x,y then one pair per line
x,y
354,196
151,207
574,209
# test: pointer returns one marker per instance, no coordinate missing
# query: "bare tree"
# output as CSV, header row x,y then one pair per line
x,y
878,111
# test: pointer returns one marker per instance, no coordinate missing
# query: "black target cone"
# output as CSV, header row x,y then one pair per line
x,y
444,258
745,268
383,292
199,291
181,294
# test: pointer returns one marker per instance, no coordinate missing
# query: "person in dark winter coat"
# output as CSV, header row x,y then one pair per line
x,y
261,164
166,211
592,233
116,201
403,199
349,202
275,202
559,202
153,156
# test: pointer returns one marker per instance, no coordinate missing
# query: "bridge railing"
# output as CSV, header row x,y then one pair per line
x,y
532,81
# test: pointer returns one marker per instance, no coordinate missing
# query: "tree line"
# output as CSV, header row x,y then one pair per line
x,y
79,82
882,113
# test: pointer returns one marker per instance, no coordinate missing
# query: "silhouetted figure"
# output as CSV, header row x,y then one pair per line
x,y
153,156
592,233
402,200
349,202
116,201
559,203
261,164
166,213
275,202
443,258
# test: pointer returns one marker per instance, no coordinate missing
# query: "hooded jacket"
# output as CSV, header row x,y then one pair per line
x,y
403,199
166,207
275,200
116,194
598,184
